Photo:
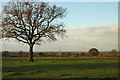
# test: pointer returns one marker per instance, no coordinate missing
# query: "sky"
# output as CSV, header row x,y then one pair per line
x,y
90,13
88,25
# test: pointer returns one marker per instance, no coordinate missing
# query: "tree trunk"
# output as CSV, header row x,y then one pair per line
x,y
30,53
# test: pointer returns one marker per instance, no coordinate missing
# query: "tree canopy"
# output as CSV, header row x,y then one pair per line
x,y
32,22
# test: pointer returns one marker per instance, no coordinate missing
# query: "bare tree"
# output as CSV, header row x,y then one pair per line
x,y
32,22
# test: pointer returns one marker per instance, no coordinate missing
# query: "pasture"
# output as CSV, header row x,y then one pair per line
x,y
59,67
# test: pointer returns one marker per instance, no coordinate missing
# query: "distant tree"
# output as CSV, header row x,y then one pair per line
x,y
100,55
66,55
72,56
93,52
63,54
82,54
32,22
76,55
5,53
20,53
113,51
37,54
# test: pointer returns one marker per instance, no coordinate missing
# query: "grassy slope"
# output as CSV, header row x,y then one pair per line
x,y
51,67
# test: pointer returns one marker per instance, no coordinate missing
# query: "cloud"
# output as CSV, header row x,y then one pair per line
x,y
78,39
101,37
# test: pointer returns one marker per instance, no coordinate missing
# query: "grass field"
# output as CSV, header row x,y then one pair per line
x,y
56,67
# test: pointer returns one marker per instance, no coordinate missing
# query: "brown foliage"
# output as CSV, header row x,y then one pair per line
x,y
82,54
5,53
63,54
73,56
99,55
31,24
20,15
113,51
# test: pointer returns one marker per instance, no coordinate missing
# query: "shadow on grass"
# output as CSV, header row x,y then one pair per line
x,y
48,67
40,68
51,58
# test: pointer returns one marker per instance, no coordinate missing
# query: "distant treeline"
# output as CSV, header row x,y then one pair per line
x,y
60,54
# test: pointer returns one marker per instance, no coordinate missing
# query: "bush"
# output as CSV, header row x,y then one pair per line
x,y
110,55
41,54
113,51
63,54
19,53
72,56
100,55
82,54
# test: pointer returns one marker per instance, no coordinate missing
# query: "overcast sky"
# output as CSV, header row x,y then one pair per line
x,y
88,24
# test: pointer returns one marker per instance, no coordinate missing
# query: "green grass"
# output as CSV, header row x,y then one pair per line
x,y
56,67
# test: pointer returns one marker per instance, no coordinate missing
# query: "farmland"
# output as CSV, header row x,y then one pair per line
x,y
60,67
